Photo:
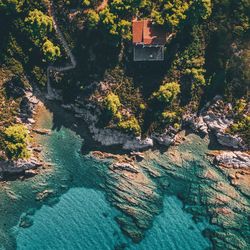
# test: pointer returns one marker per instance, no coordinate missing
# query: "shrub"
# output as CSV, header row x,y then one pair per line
x,y
167,92
50,51
92,19
131,126
86,3
198,76
142,106
112,103
169,116
38,25
240,106
16,141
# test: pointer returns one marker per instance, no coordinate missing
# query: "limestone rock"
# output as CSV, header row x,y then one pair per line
x,y
166,138
138,143
235,159
18,167
228,140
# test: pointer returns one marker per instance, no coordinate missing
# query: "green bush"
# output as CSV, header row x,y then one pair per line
x,y
11,5
112,103
38,26
92,19
130,125
16,141
50,51
167,92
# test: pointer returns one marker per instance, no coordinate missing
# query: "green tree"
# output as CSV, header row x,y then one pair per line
x,y
16,142
167,92
175,12
38,25
131,125
112,103
92,19
11,5
124,27
157,17
51,51
201,9
109,21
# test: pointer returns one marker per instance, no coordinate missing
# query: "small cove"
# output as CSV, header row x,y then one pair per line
x,y
78,215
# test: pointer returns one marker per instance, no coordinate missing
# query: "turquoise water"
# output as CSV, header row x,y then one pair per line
x,y
84,220
77,215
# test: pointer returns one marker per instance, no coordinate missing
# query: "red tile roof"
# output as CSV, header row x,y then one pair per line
x,y
137,28
145,32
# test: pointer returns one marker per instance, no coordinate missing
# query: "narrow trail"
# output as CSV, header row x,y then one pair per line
x,y
50,91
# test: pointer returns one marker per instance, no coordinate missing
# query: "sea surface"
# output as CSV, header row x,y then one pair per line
x,y
76,213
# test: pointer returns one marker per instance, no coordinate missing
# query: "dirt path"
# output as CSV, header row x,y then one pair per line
x,y
50,92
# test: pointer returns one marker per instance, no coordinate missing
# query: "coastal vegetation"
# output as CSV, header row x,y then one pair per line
x,y
16,141
203,83
207,55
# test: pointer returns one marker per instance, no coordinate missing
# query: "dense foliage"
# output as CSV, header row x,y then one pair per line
x,y
208,53
167,92
50,51
16,142
112,103
130,125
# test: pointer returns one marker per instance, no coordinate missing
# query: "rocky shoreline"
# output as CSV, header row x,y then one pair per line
x,y
215,118
132,184
29,109
217,191
211,120
207,122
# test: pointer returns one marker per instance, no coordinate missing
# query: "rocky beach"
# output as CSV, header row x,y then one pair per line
x,y
212,184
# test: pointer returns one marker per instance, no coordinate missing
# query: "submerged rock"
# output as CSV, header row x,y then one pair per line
x,y
135,194
42,131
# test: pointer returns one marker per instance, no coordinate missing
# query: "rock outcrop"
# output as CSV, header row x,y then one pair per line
x,y
18,167
216,117
234,159
135,194
166,138
107,136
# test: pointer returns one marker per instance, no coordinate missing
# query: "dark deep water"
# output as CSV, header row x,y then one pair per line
x,y
77,214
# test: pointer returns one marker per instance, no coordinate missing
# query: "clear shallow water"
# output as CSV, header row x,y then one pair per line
x,y
80,217
84,220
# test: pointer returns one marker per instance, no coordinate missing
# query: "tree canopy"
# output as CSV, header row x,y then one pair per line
x,y
50,51
112,103
16,141
38,25
167,92
11,6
